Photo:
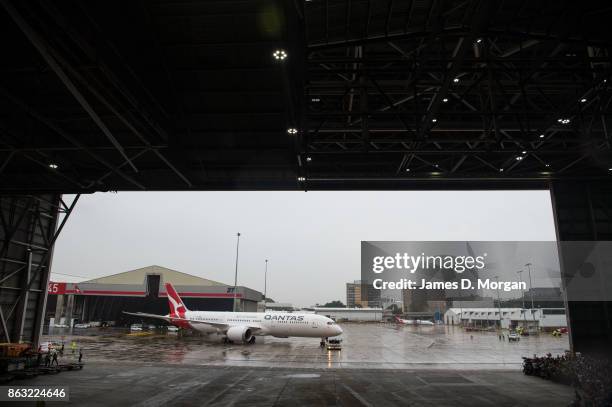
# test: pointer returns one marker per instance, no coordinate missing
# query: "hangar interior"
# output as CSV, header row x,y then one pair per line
x,y
299,95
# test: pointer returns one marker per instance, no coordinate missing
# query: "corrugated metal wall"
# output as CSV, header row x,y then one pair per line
x,y
583,212
27,234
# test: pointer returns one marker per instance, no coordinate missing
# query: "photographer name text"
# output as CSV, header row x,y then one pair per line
x,y
464,284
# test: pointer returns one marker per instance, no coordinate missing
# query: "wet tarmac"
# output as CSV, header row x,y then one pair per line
x,y
365,346
152,385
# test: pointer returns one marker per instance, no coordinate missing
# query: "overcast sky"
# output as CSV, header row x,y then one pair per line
x,y
312,239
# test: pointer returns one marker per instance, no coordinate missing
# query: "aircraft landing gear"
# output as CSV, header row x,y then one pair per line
x,y
322,344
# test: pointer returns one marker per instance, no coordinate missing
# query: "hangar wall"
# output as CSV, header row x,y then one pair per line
x,y
28,230
583,212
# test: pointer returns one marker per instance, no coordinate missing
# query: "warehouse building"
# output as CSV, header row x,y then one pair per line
x,y
511,318
351,314
142,290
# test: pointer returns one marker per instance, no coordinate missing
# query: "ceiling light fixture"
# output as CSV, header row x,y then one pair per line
x,y
541,136
434,120
53,166
583,100
301,179
292,130
279,54
445,100
456,80
309,159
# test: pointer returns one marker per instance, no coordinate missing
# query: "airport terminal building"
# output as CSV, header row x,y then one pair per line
x,y
142,290
541,318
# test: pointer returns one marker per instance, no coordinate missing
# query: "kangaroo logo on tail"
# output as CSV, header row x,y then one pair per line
x,y
177,308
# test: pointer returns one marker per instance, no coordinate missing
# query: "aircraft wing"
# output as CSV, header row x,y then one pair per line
x,y
142,314
220,326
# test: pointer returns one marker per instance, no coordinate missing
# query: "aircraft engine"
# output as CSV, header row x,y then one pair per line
x,y
239,333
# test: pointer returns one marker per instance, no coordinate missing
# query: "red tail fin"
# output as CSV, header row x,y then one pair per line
x,y
177,308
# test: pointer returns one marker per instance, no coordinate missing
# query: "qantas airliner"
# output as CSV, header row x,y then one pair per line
x,y
412,321
244,326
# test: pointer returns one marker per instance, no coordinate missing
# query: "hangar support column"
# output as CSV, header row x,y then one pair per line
x,y
29,227
583,212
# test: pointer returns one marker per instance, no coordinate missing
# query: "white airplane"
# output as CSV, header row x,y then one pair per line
x,y
244,326
413,321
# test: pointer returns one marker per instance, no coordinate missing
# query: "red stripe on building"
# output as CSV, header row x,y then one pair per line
x,y
107,292
216,295
142,293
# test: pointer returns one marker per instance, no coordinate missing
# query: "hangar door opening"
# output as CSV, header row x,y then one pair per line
x,y
153,282
313,243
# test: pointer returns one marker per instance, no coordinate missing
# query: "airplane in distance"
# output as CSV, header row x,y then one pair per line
x,y
413,321
245,326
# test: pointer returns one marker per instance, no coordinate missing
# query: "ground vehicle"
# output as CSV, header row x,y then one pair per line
x,y
334,344
522,331
513,336
172,328
81,326
136,327
47,346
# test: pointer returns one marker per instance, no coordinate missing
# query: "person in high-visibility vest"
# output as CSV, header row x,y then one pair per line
x,y
73,347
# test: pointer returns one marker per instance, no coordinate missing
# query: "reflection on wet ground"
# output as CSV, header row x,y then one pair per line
x,y
152,384
380,346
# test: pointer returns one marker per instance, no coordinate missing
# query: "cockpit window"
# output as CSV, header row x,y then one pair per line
x,y
331,323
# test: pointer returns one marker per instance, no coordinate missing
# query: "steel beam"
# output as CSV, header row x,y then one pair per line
x,y
43,48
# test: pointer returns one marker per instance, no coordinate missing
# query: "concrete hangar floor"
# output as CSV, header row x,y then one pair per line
x,y
380,364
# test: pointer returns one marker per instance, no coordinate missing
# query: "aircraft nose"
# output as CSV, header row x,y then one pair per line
x,y
338,330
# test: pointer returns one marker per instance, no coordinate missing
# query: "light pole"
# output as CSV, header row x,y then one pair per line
x,y
528,265
499,304
520,273
236,272
265,284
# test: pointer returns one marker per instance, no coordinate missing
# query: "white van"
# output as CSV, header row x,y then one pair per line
x,y
136,327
